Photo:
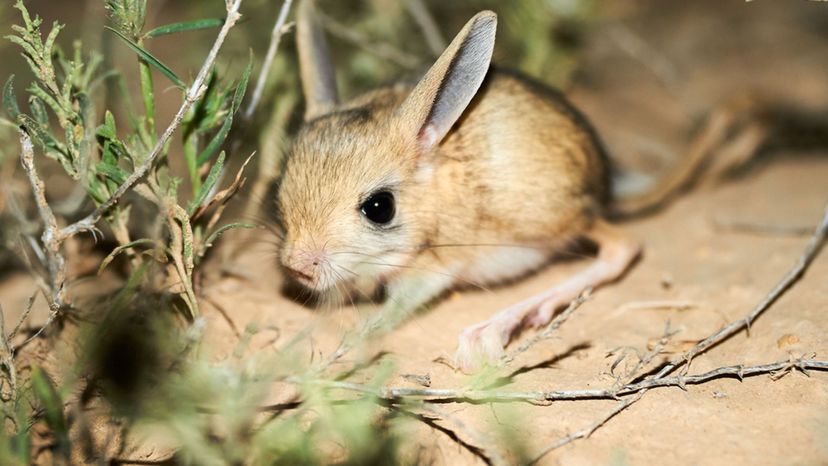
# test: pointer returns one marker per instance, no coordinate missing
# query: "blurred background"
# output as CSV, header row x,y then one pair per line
x,y
646,72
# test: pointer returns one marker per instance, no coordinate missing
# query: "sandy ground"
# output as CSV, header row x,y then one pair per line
x,y
645,114
723,273
701,53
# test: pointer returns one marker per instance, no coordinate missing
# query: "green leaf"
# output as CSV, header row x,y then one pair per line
x,y
9,99
216,142
39,110
50,39
241,88
113,172
208,185
214,235
114,149
87,79
204,108
150,59
59,110
51,146
112,255
185,26
95,190
133,283
108,130
148,97
219,138
49,397
28,51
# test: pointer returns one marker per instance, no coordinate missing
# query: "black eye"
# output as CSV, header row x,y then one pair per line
x,y
379,208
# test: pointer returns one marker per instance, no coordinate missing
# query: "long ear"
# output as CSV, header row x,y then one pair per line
x,y
443,93
318,78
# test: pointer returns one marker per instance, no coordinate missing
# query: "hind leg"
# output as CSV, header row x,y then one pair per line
x,y
486,340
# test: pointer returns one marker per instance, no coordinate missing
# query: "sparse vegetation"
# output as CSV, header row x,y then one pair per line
x,y
145,196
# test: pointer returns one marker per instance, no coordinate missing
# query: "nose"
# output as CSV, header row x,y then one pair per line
x,y
303,265
298,274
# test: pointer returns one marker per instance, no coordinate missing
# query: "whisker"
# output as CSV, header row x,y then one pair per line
x,y
563,251
474,284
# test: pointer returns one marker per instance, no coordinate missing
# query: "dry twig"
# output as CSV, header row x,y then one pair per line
x,y
482,443
679,305
788,280
275,37
448,395
762,228
643,360
51,237
431,31
792,276
381,49
588,430
549,329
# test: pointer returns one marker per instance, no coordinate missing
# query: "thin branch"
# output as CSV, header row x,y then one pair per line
x,y
27,228
52,316
449,395
762,228
738,371
679,305
381,50
7,357
371,327
646,359
657,62
588,430
23,316
549,329
640,389
275,37
477,449
51,237
194,93
788,280
424,19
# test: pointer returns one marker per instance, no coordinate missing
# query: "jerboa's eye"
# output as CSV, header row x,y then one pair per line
x,y
379,208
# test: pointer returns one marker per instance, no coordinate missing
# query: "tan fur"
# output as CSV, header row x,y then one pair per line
x,y
518,169
492,174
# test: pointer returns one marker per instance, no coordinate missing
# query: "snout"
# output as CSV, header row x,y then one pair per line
x,y
308,267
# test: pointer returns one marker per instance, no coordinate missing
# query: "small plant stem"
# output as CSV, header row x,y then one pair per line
x,y
471,395
51,237
148,95
194,92
191,155
425,20
275,38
